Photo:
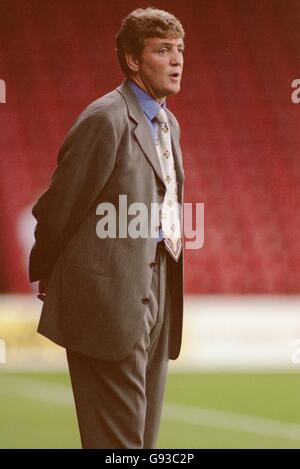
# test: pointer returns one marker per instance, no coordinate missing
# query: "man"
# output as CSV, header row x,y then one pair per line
x,y
115,303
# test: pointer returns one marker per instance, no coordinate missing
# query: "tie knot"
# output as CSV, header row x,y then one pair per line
x,y
162,120
162,117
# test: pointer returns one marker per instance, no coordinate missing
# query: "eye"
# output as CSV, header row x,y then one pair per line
x,y
163,50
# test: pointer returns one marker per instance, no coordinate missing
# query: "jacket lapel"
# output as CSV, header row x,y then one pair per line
x,y
176,151
142,130
144,137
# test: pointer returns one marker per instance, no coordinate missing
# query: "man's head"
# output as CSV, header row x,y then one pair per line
x,y
150,51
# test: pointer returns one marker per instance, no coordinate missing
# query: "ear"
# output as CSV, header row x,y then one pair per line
x,y
132,62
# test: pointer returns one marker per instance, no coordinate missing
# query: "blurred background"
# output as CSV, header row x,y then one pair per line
x,y
236,383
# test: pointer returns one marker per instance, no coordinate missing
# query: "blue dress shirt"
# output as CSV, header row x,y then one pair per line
x,y
150,107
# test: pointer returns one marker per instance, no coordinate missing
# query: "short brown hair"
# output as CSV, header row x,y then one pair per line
x,y
141,24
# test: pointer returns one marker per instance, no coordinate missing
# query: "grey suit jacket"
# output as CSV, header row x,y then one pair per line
x,y
98,288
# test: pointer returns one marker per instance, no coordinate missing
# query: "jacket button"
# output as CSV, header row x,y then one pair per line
x,y
161,192
145,301
153,264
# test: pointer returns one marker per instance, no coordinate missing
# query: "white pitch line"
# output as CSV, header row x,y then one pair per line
x,y
231,421
192,415
36,389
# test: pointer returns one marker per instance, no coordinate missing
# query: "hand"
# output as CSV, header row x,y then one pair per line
x,y
43,286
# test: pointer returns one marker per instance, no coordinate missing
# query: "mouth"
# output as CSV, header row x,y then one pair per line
x,y
175,75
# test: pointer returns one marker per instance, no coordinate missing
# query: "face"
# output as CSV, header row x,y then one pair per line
x,y
159,69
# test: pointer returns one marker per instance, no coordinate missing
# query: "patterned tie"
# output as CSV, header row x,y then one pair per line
x,y
170,213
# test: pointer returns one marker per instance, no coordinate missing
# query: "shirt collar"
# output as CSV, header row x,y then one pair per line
x,y
148,104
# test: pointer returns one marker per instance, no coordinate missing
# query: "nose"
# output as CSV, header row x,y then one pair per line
x,y
176,58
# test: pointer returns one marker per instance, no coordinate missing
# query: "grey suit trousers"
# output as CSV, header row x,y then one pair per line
x,y
119,403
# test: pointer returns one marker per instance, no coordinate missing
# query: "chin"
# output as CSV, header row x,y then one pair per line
x,y
173,90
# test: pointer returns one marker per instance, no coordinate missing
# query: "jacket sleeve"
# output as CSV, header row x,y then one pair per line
x,y
84,164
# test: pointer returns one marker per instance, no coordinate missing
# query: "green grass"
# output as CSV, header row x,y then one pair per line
x,y
34,421
274,396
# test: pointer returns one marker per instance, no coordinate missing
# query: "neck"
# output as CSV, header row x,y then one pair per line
x,y
145,87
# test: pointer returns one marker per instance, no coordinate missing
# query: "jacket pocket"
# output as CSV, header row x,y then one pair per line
x,y
73,264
